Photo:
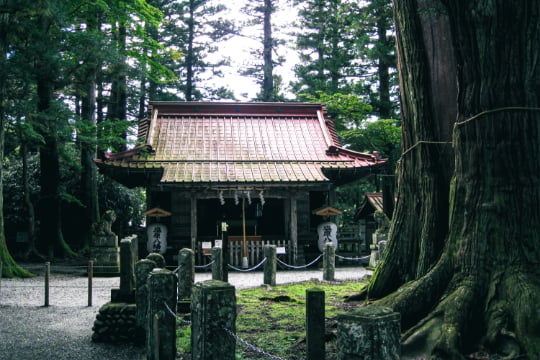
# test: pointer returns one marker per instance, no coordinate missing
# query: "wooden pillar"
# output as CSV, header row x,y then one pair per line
x,y
294,227
193,213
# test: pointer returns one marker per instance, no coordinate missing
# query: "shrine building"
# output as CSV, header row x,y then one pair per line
x,y
261,168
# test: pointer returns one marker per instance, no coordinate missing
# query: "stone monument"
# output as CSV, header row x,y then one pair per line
x,y
104,248
379,238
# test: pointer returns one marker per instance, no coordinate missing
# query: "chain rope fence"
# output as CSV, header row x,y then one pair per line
x,y
237,338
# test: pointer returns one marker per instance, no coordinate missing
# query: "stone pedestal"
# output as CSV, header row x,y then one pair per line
x,y
104,249
106,255
369,333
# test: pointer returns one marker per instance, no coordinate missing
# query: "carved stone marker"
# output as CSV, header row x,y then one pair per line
x,y
213,319
161,324
369,333
142,270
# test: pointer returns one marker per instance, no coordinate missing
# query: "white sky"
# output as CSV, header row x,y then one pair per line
x,y
238,49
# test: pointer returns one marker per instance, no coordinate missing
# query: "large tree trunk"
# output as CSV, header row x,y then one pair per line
x,y
483,291
88,185
50,214
9,267
268,47
427,82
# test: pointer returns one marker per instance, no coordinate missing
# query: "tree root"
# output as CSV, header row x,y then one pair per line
x,y
499,316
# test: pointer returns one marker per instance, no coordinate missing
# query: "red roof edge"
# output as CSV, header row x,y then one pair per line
x,y
337,150
128,153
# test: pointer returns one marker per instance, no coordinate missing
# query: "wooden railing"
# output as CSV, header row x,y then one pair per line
x,y
254,252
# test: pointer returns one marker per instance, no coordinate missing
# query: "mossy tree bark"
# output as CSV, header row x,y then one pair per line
x,y
46,68
470,246
9,267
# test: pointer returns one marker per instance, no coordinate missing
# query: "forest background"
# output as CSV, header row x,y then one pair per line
x,y
76,77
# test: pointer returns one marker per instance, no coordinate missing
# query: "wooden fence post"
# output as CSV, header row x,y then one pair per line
x,y
315,329
162,289
90,276
47,276
329,262
369,333
270,265
213,320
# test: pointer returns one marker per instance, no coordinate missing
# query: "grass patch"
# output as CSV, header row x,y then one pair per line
x,y
273,319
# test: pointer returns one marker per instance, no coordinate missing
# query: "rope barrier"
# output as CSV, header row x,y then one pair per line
x,y
205,266
302,266
354,258
228,331
248,270
472,118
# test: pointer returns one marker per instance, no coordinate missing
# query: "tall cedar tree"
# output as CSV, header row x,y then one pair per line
x,y
197,30
260,17
376,49
462,266
326,46
8,19
46,38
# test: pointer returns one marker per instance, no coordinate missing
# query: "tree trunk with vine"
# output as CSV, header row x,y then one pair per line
x,y
475,277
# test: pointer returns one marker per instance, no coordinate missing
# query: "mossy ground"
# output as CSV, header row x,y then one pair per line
x,y
273,319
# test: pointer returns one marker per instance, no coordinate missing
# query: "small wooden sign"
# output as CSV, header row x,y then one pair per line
x,y
280,250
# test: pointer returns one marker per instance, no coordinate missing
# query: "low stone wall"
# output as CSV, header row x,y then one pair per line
x,y
117,323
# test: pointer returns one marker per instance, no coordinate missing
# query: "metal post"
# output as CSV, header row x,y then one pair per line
x,y
90,276
47,276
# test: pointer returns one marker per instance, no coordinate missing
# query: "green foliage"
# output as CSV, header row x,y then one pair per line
x,y
325,43
382,135
347,110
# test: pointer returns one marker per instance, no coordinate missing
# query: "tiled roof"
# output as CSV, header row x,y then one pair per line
x,y
223,143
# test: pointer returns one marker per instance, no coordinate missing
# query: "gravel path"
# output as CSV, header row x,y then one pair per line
x,y
63,330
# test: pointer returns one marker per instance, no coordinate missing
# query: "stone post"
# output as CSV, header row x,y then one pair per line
x,y
270,265
369,333
315,330
142,270
329,262
158,259
161,324
213,319
217,265
127,274
186,273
